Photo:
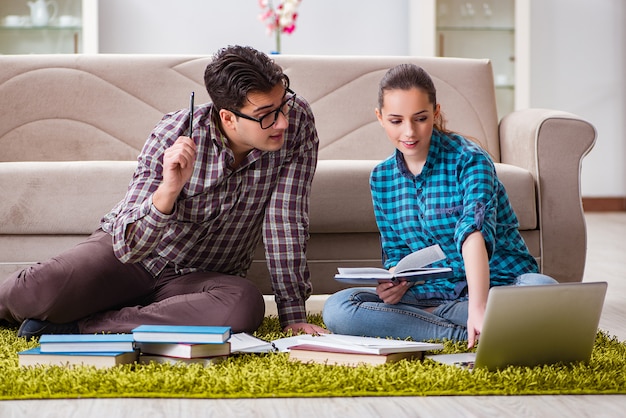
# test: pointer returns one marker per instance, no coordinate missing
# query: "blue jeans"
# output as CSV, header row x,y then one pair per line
x,y
359,311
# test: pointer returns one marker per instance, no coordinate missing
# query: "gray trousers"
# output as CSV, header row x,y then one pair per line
x,y
89,285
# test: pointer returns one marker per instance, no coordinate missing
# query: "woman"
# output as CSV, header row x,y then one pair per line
x,y
437,188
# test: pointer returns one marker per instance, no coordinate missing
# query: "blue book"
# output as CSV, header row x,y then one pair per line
x,y
189,334
34,357
59,343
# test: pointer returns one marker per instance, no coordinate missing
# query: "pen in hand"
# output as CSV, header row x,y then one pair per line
x,y
190,114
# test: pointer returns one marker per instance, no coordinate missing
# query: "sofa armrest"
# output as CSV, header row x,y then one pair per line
x,y
551,145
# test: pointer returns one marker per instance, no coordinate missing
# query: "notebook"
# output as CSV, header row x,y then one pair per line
x,y
535,325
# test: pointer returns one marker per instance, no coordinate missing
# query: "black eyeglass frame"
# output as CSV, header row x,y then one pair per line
x,y
291,99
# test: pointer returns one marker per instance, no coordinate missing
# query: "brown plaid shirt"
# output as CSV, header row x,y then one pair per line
x,y
222,213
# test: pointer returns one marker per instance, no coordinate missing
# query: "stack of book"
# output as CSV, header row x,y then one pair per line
x,y
98,350
348,350
193,344
147,343
182,344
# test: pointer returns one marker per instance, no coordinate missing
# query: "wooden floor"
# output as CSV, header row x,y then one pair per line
x,y
606,261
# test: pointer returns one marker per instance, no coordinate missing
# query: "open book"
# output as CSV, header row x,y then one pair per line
x,y
351,350
356,344
332,356
412,268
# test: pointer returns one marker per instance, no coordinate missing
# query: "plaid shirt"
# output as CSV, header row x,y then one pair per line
x,y
221,213
456,194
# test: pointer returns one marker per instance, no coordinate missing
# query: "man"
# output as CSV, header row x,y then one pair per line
x,y
176,248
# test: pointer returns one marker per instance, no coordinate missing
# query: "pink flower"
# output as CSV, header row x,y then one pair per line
x,y
281,18
266,15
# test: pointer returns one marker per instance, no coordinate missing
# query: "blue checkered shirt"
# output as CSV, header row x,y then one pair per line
x,y
456,193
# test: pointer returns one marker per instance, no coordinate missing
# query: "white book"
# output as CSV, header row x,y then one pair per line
x,y
34,357
183,350
206,361
365,345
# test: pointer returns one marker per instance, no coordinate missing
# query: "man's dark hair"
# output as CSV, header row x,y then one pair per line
x,y
236,71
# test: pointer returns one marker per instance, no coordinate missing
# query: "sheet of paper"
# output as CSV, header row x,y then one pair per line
x,y
246,343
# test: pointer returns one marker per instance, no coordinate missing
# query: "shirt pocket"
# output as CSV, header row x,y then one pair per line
x,y
455,210
442,220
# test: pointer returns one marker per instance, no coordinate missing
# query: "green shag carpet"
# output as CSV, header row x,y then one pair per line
x,y
273,375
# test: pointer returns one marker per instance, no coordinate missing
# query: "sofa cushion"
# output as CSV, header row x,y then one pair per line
x,y
346,207
60,197
340,197
89,189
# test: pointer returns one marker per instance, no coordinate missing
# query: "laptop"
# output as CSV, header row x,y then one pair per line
x,y
535,325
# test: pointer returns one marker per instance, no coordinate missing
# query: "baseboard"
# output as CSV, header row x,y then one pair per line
x,y
604,204
314,304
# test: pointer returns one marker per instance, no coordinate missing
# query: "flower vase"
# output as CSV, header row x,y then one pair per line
x,y
277,38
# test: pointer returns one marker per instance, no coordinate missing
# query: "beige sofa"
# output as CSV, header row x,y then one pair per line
x,y
71,126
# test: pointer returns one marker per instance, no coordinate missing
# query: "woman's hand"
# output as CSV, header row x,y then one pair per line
x,y
475,317
391,293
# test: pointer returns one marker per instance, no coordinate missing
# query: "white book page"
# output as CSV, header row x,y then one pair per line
x,y
365,341
355,343
246,343
420,258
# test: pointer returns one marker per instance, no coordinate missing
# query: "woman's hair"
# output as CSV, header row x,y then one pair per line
x,y
406,77
236,71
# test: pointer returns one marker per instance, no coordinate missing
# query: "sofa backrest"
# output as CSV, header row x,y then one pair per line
x,y
343,92
103,107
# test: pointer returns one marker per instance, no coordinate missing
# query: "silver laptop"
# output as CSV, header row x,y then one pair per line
x,y
534,325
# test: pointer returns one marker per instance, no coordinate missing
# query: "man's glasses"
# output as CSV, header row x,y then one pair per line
x,y
268,120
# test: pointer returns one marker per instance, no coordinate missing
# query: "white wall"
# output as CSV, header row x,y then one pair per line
x,y
577,58
331,27
578,64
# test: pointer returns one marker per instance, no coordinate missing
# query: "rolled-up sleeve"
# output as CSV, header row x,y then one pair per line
x,y
479,183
